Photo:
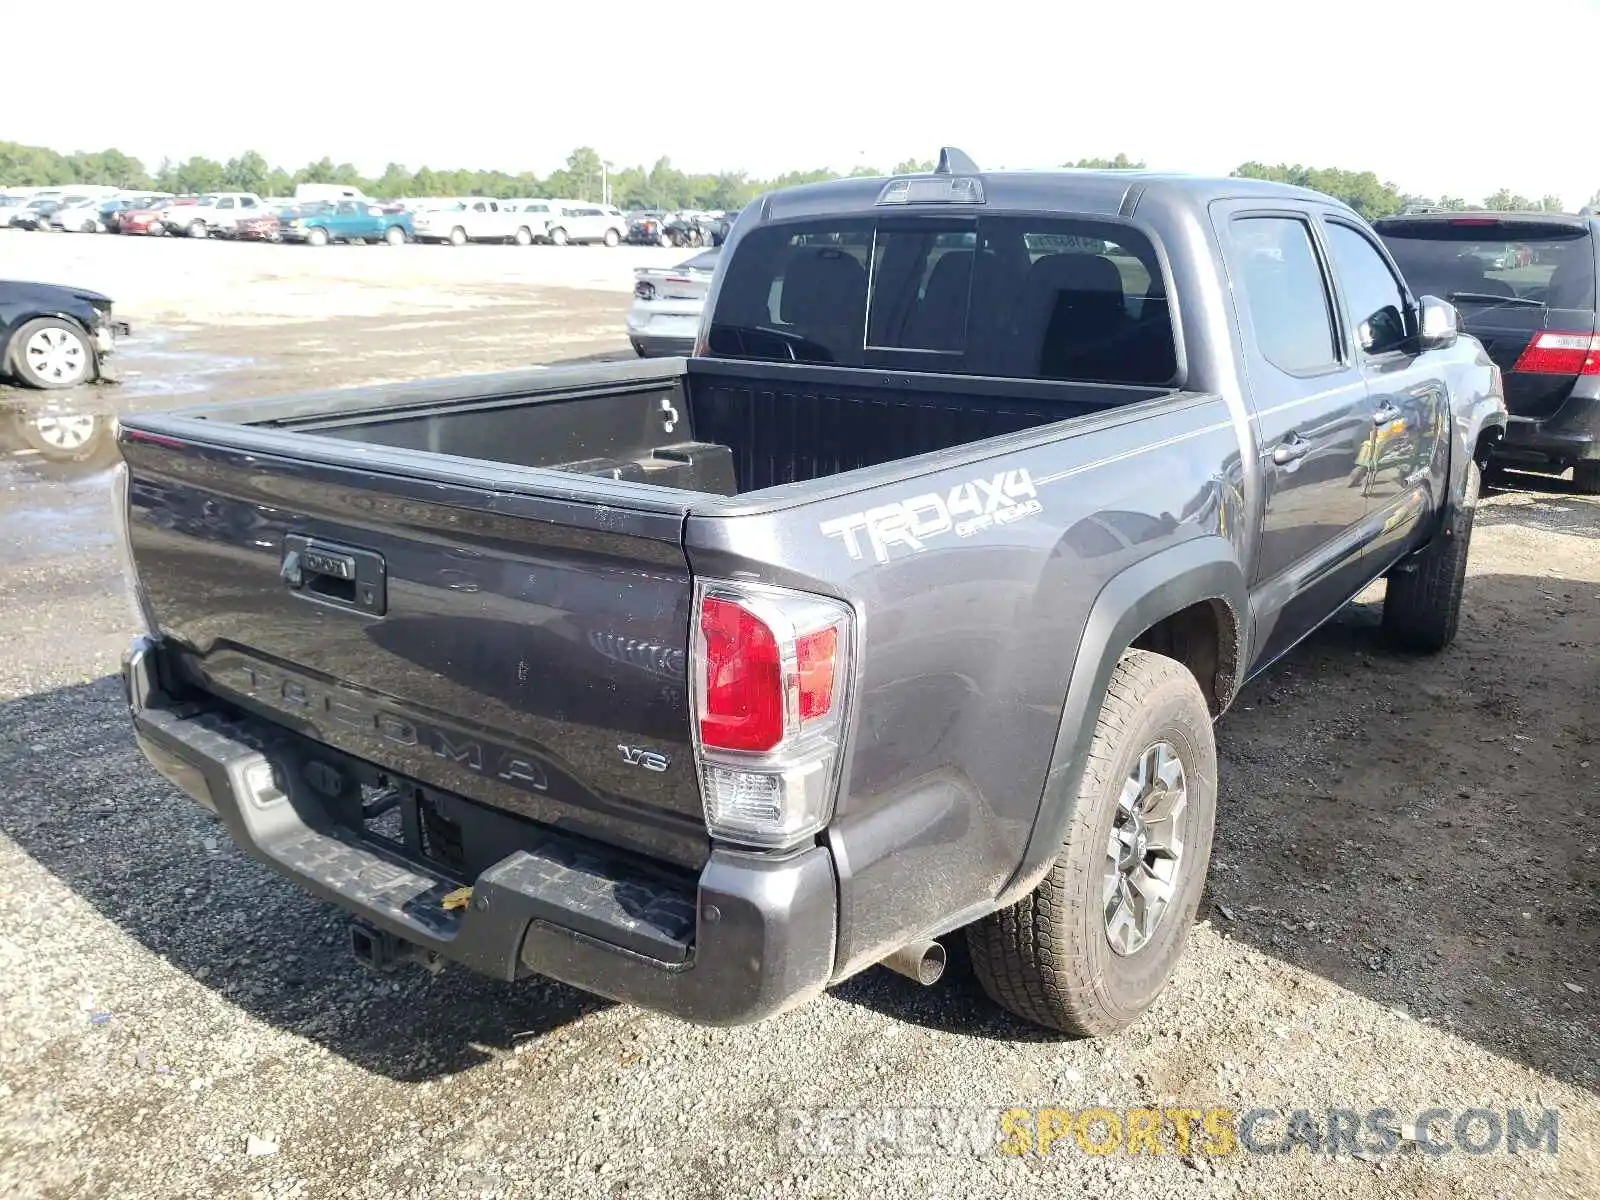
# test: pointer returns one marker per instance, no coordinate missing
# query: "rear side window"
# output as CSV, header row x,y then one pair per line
x,y
1477,260
1286,293
1013,296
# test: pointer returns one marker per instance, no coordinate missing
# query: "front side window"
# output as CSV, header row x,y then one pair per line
x,y
1277,269
1374,301
1013,296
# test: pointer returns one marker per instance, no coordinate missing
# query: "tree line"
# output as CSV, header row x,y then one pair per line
x,y
586,176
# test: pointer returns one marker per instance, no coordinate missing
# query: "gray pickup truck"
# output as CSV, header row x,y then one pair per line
x,y
905,607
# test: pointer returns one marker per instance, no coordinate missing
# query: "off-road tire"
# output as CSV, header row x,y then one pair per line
x,y
1422,606
1047,958
1586,478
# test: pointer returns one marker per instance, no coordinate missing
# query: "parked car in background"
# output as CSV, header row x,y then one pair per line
x,y
152,221
578,222
36,214
535,214
10,206
347,221
217,213
667,304
56,337
648,228
471,219
132,202
264,226
1525,285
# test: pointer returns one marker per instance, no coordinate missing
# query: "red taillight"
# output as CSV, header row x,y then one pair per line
x,y
1553,353
814,657
771,673
742,707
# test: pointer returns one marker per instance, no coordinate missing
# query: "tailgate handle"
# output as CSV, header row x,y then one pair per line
x,y
345,576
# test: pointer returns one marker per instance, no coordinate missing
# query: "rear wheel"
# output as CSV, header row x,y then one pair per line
x,y
1422,604
523,236
1092,946
49,352
458,236
558,236
612,237
394,235
197,229
1586,478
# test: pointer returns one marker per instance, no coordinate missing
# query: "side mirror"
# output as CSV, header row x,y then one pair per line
x,y
1437,324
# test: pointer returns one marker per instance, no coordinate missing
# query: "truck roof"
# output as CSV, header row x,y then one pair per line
x,y
1066,190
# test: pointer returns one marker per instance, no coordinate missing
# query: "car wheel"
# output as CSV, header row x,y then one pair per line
x,y
1091,947
458,236
1422,601
611,238
394,235
558,236
50,352
61,438
89,227
196,229
523,236
1586,478
317,236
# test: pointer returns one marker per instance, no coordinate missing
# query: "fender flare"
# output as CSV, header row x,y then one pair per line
x,y
1201,569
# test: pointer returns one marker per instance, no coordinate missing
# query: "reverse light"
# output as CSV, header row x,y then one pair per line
x,y
771,673
1554,353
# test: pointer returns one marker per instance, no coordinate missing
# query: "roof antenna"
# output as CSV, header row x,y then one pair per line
x,y
953,161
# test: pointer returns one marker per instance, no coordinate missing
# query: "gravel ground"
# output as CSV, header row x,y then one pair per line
x,y
1404,909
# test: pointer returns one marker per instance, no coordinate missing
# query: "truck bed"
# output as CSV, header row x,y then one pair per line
x,y
708,426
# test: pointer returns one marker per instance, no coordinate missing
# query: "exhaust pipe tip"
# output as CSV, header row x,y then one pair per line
x,y
922,962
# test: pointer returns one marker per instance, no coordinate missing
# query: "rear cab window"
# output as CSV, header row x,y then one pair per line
x,y
1000,295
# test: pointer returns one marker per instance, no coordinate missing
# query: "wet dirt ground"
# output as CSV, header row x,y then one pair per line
x,y
1404,910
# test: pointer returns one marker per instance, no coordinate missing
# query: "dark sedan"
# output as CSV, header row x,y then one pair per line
x,y
56,337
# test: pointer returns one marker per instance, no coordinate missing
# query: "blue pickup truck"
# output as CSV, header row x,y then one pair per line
x,y
346,221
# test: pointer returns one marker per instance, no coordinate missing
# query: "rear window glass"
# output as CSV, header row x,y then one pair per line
x,y
1022,297
1475,263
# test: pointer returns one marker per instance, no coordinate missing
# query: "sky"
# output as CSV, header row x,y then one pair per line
x,y
1443,97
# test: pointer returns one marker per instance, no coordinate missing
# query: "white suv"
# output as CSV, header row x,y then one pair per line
x,y
578,221
473,219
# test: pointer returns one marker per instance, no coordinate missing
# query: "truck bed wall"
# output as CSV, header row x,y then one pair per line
x,y
777,426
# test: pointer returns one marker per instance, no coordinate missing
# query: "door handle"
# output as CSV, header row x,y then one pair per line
x,y
1386,414
1292,449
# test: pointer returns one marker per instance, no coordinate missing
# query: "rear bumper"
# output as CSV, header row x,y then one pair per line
x,y
753,937
1570,434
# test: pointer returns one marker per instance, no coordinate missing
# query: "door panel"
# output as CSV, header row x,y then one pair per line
x,y
1404,455
1312,414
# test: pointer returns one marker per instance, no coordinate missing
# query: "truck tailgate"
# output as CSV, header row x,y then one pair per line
x,y
525,650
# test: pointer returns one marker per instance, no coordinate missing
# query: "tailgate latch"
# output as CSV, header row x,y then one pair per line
x,y
346,576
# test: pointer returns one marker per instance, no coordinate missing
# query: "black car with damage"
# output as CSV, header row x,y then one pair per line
x,y
53,336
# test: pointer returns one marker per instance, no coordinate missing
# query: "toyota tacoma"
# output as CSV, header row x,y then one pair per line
x,y
901,611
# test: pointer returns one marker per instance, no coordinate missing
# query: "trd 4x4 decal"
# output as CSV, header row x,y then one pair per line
x,y
964,510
